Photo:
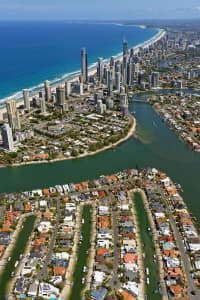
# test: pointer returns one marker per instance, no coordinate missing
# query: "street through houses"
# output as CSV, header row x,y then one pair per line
x,y
115,282
185,259
43,274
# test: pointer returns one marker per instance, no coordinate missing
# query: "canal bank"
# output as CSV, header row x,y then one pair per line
x,y
142,288
152,275
82,255
156,146
19,248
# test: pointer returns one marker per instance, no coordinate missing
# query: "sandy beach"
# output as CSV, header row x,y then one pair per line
x,y
91,71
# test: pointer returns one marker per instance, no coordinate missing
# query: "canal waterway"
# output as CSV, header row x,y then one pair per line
x,y
156,146
82,255
148,249
18,249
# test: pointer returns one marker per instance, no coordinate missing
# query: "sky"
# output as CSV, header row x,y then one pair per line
x,y
98,9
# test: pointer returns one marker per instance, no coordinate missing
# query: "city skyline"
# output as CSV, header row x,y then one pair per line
x,y
87,10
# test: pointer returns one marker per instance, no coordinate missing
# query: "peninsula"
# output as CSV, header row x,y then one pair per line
x,y
82,116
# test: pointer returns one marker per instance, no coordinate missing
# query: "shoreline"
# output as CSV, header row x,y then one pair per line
x,y
139,241
27,249
9,250
131,131
129,134
155,240
91,71
177,133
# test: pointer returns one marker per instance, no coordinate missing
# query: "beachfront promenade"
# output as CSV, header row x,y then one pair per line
x,y
92,70
80,117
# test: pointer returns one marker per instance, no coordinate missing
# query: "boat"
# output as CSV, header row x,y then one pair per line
x,y
149,228
148,280
16,263
83,221
147,271
83,280
154,124
9,258
12,274
85,269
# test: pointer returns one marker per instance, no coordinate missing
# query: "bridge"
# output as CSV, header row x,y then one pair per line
x,y
140,101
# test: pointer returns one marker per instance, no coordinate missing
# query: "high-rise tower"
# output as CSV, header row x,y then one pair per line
x,y
100,69
7,137
26,99
125,48
60,98
13,115
47,89
84,66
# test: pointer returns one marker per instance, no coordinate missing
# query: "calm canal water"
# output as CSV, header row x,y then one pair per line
x,y
82,255
156,146
148,249
18,249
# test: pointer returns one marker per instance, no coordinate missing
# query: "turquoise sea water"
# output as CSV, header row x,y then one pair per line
x,y
32,52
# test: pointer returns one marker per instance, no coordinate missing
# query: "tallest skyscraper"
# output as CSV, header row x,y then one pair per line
x,y
125,48
84,65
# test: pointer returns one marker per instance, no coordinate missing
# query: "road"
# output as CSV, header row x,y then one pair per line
x,y
185,259
115,282
3,209
91,260
141,295
43,274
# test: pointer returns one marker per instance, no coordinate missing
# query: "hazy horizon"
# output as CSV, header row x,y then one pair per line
x,y
103,10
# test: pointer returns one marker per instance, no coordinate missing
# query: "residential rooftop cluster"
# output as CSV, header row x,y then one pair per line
x,y
55,136
187,226
181,112
113,267
171,258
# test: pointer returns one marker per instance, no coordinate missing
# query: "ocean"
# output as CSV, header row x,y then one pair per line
x,y
34,51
